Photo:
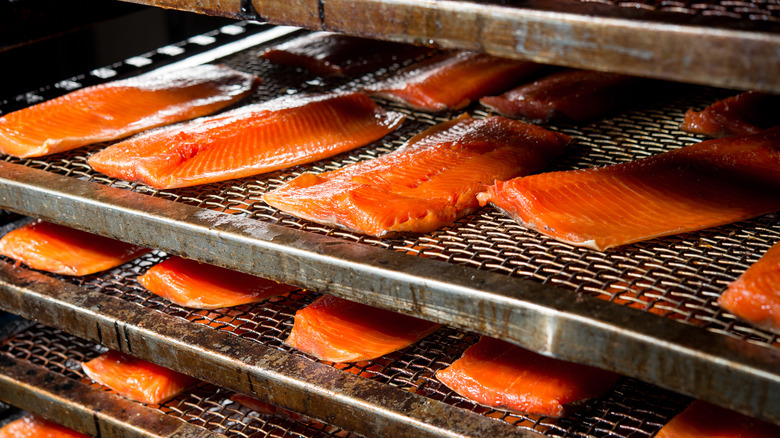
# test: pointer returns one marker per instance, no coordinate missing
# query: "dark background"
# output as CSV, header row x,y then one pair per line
x,y
45,41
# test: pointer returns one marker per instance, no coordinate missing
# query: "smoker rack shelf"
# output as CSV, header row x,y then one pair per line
x,y
733,44
484,274
631,408
40,371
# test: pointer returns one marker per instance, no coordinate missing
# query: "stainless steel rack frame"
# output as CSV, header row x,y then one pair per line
x,y
733,44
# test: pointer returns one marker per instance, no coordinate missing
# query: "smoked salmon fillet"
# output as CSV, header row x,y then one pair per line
x,y
569,95
453,80
203,286
332,54
744,114
426,184
121,108
702,419
712,183
62,250
755,295
254,139
33,426
136,379
337,330
501,375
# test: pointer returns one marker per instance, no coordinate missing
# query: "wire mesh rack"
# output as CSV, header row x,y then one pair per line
x,y
679,277
204,404
676,278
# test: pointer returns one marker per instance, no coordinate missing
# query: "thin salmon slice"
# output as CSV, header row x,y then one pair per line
x,y
62,250
121,108
337,330
203,286
744,114
426,184
702,419
755,295
33,426
332,54
453,80
569,96
136,379
254,139
500,375
712,183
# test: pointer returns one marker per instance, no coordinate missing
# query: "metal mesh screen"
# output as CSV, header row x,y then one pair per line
x,y
676,277
753,10
205,405
632,408
679,277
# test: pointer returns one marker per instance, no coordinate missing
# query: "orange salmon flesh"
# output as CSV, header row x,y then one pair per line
x,y
501,375
136,379
337,330
203,286
62,250
119,109
426,184
704,185
250,140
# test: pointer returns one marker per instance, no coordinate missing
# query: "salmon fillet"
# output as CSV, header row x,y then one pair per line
x,y
453,80
62,250
254,139
569,95
744,114
426,184
712,183
118,109
33,426
755,295
337,330
136,379
501,375
203,286
702,419
332,54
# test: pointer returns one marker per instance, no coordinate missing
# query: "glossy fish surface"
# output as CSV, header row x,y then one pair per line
x,y
501,375
337,330
33,426
62,250
747,113
203,286
121,108
702,419
250,140
569,96
755,295
453,80
704,185
426,184
136,379
333,54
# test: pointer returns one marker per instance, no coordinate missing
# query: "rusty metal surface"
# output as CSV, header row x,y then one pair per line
x,y
57,356
724,44
80,407
690,360
216,356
